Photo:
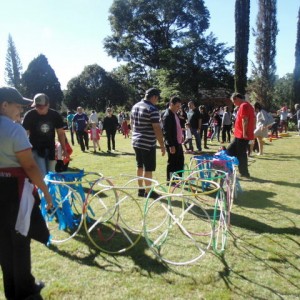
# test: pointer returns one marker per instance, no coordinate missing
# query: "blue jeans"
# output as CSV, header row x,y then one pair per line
x,y
197,138
44,163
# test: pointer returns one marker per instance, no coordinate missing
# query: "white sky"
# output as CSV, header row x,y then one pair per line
x,y
70,32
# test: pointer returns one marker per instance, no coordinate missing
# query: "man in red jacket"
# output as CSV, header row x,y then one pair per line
x,y
243,132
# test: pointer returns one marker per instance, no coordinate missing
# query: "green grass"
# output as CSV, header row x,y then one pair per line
x,y
261,260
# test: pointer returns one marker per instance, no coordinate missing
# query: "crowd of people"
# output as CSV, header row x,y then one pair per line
x,y
38,144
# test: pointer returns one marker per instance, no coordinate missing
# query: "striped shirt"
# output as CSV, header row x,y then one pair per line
x,y
143,115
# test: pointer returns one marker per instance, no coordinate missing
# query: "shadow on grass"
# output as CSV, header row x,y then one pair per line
x,y
137,253
260,227
278,157
250,251
261,200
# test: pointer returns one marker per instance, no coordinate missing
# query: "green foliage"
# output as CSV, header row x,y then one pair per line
x,y
264,71
296,86
13,66
144,29
94,88
40,78
242,20
283,91
169,35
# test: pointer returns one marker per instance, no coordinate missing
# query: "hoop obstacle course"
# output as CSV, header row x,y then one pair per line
x,y
190,216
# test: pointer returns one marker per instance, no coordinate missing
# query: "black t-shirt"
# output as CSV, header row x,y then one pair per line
x,y
42,129
205,118
110,124
194,121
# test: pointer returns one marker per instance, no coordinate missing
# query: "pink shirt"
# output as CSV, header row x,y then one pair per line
x,y
179,130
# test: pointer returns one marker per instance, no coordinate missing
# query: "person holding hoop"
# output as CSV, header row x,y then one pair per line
x,y
20,216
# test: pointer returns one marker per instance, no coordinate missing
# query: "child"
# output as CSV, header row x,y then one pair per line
x,y
188,138
95,136
125,128
62,163
274,127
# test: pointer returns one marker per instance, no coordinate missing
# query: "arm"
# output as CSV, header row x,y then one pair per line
x,y
245,126
30,167
159,137
199,125
170,131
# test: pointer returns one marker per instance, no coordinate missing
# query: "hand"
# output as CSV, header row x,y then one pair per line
x,y
172,150
163,150
49,205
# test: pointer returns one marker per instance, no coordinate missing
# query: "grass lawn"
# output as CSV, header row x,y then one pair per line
x,y
263,249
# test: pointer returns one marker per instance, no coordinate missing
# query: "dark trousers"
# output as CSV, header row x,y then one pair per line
x,y
72,135
175,161
238,148
203,133
196,134
83,140
111,138
14,248
226,130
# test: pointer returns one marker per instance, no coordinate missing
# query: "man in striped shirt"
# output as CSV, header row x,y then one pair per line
x,y
146,129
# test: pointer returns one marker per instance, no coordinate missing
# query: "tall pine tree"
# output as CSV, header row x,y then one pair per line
x,y
264,71
242,20
40,78
297,64
13,66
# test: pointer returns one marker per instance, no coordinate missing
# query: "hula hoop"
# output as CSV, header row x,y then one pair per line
x,y
220,221
65,220
176,232
108,229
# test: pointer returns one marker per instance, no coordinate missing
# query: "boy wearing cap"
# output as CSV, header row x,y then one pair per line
x,y
146,129
41,124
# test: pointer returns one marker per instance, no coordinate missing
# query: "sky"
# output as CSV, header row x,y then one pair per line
x,y
70,33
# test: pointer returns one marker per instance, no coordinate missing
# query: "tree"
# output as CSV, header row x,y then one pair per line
x,y
96,89
13,66
242,20
264,72
169,35
283,90
40,78
296,74
76,94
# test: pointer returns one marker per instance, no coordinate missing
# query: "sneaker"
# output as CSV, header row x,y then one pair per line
x,y
39,285
141,192
205,147
245,176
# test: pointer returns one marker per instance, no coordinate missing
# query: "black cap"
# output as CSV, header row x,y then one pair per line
x,y
10,94
152,92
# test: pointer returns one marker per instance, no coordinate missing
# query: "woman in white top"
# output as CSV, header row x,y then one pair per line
x,y
261,130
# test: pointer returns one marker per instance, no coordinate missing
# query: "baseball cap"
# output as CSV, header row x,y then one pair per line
x,y
10,94
40,99
152,92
